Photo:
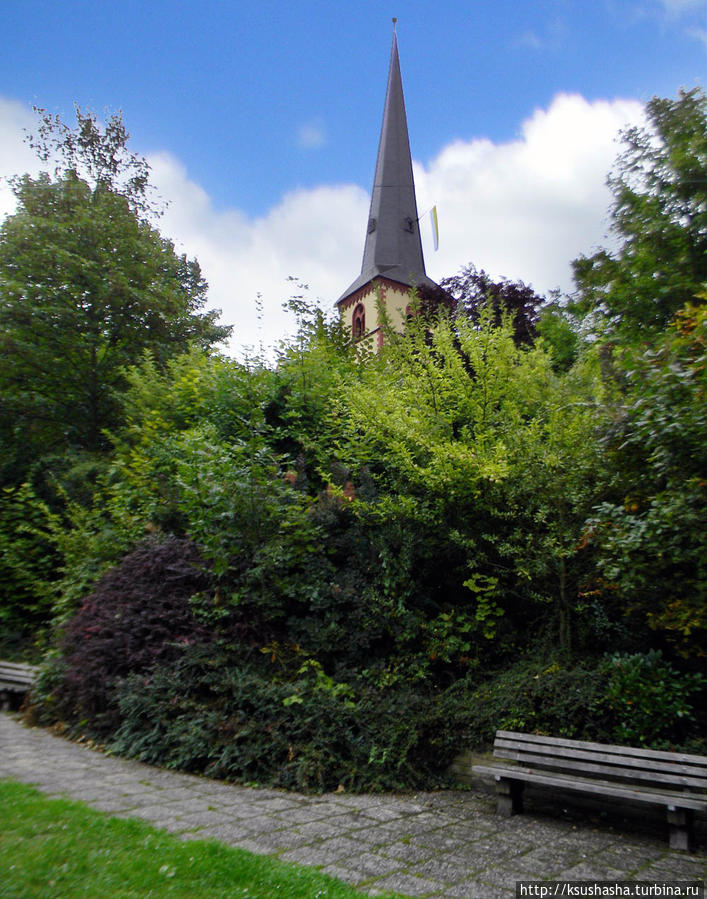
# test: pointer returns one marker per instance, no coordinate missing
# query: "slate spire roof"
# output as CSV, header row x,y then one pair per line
x,y
393,247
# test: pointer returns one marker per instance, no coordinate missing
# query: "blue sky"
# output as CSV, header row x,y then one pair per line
x,y
261,121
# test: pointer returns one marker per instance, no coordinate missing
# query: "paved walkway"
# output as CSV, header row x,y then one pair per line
x,y
444,844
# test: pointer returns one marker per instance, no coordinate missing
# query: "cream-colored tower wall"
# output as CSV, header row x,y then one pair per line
x,y
396,299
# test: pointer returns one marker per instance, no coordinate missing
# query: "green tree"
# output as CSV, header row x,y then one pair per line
x,y
651,533
659,215
645,302
87,284
474,291
486,465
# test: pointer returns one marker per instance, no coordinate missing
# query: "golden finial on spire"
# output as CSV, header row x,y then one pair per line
x,y
395,22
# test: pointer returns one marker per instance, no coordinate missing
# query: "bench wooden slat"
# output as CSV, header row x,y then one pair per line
x,y
19,668
15,677
615,765
608,771
600,787
616,750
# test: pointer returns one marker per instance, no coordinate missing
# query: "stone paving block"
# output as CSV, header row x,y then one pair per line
x,y
591,871
406,852
490,852
307,855
302,815
424,821
198,818
150,812
470,831
371,864
339,800
113,780
129,788
439,840
182,806
550,858
320,829
285,839
233,834
384,814
329,808
364,802
528,834
475,889
173,793
348,821
410,886
239,808
597,840
675,867
339,847
631,857
273,804
379,835
504,878
446,868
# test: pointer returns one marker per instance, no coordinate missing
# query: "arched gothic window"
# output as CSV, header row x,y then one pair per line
x,y
358,322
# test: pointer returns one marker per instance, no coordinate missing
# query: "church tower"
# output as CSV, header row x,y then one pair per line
x,y
392,257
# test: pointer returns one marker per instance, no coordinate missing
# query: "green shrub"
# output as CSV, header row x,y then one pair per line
x,y
627,699
537,697
27,561
650,702
155,664
211,714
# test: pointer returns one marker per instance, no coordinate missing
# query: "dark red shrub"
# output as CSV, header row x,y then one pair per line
x,y
137,617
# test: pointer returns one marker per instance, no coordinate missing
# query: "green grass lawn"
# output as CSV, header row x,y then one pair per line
x,y
52,849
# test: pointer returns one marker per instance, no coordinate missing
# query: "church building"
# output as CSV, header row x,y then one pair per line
x,y
392,257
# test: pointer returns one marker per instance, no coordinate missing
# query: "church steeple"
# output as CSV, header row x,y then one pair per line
x,y
393,248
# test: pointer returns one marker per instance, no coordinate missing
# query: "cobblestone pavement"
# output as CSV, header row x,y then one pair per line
x,y
444,844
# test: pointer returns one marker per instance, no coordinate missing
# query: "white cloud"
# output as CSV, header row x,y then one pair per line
x,y
552,37
15,155
312,135
530,40
314,235
522,209
699,34
678,7
525,209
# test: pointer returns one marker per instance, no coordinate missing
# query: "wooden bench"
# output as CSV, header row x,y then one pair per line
x,y
675,780
15,680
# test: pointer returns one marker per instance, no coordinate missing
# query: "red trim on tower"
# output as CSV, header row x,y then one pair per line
x,y
355,297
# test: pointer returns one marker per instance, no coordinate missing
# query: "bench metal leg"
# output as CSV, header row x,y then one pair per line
x,y
509,796
680,824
